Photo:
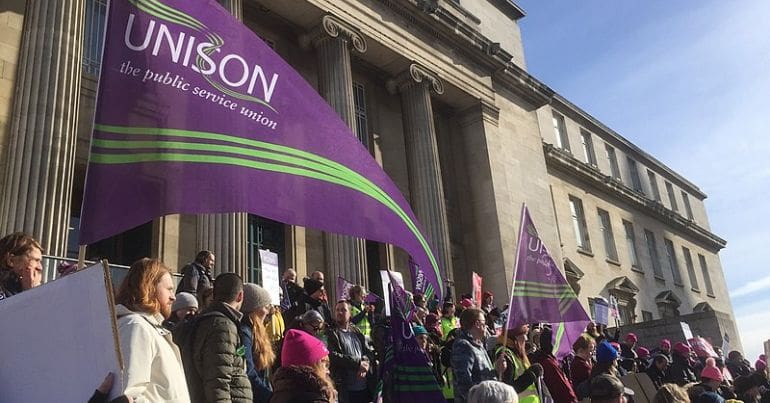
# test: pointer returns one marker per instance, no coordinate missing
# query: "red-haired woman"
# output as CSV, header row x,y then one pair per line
x,y
153,366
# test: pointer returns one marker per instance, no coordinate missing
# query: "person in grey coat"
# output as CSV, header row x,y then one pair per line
x,y
470,362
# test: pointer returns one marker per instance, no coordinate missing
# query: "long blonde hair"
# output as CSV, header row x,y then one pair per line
x,y
321,370
264,356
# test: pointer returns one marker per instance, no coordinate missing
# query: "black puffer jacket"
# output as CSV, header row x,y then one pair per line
x,y
218,358
299,384
680,372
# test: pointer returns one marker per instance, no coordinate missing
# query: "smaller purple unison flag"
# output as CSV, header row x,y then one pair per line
x,y
540,292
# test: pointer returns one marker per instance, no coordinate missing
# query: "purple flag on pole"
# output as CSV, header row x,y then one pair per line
x,y
343,291
409,373
420,281
540,292
196,114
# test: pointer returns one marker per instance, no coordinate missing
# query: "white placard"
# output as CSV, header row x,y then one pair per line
x,y
59,340
687,332
385,290
270,278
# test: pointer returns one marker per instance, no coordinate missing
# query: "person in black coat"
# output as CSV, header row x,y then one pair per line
x,y
681,372
314,298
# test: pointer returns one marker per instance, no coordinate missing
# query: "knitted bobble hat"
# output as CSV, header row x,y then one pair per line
x,y
301,348
711,371
254,297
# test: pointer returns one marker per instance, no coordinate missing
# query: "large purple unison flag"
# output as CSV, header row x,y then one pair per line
x,y
196,114
540,292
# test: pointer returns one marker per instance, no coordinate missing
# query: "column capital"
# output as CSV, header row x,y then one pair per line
x,y
416,74
333,27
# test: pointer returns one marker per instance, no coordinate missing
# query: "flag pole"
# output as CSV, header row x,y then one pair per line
x,y
81,256
513,286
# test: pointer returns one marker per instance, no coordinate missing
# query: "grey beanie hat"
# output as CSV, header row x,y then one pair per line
x,y
254,297
184,300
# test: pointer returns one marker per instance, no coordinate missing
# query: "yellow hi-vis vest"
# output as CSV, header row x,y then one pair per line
x,y
529,395
364,326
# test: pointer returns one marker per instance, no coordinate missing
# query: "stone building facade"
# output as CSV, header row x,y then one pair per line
x,y
439,93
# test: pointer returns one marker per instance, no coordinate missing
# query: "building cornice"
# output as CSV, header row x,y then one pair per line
x,y
562,103
564,162
433,18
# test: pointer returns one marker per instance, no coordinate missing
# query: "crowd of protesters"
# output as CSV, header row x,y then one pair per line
x,y
218,339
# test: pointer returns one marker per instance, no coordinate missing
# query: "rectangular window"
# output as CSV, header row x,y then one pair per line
x,y
560,132
359,104
652,250
588,147
706,276
654,185
579,224
93,35
687,207
609,239
646,316
631,243
614,168
671,196
672,262
633,172
690,269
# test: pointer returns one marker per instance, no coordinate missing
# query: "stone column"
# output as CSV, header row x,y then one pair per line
x,y
425,186
344,256
226,234
37,189
235,7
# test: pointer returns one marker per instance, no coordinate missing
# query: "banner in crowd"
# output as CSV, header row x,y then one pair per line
x,y
196,114
387,277
420,282
602,311
702,347
343,291
477,287
540,292
60,340
409,374
270,279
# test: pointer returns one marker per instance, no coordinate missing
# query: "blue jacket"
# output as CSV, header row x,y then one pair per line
x,y
260,386
471,364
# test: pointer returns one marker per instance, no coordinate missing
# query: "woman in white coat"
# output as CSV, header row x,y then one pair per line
x,y
153,367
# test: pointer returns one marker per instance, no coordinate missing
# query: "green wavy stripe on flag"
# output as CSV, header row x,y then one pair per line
x,y
424,370
168,14
280,158
540,294
564,291
524,283
337,169
417,388
415,378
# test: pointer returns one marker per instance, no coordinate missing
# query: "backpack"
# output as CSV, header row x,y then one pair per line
x,y
184,337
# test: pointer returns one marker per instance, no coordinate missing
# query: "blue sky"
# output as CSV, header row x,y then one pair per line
x,y
688,81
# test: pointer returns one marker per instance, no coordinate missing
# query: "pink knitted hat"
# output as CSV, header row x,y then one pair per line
x,y
301,348
760,365
682,349
711,371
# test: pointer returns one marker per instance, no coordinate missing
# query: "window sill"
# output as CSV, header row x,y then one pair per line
x,y
680,285
637,269
695,290
585,252
660,278
612,262
712,296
